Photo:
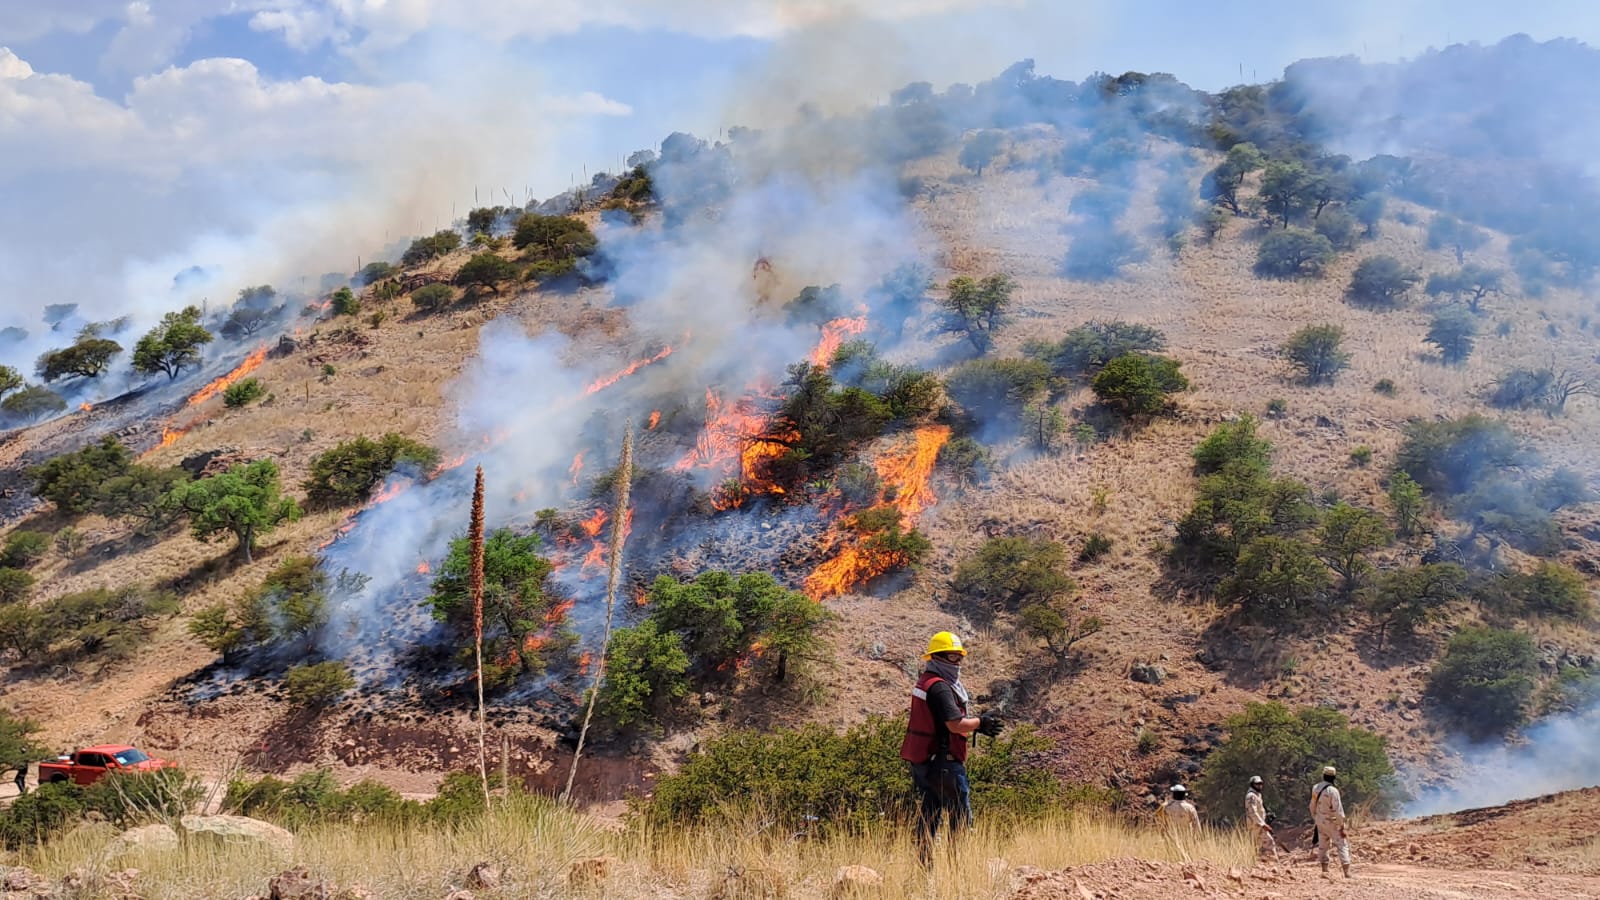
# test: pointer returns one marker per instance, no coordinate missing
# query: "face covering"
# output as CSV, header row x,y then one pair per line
x,y
951,673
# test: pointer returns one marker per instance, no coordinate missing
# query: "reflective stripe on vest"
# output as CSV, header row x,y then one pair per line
x,y
923,733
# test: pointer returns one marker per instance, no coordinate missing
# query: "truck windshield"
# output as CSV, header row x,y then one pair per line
x,y
130,757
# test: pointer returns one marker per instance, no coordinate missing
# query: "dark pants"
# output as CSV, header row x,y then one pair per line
x,y
22,781
942,788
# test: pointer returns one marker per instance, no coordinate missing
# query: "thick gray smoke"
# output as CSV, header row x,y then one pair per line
x,y
1557,754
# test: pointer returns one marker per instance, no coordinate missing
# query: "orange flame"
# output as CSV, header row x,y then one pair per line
x,y
577,466
655,419
833,334
558,613
633,367
583,662
423,568
250,364
907,471
85,407
447,465
390,491
170,435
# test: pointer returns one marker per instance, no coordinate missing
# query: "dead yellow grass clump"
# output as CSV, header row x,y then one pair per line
x,y
535,841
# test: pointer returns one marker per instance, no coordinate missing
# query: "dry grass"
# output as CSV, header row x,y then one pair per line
x,y
535,842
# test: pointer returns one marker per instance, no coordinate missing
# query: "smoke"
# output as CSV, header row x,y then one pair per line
x,y
1560,753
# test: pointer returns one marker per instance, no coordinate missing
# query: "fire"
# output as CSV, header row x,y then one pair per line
x,y
577,466
584,660
558,613
390,491
423,568
633,367
534,642
833,334
907,471
447,465
346,526
170,435
250,364
655,419
85,407
596,557
592,525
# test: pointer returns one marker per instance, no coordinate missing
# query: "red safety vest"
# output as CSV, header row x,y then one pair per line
x,y
922,735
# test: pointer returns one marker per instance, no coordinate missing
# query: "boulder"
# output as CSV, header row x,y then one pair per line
x,y
485,876
297,884
855,881
239,830
1145,673
590,872
157,838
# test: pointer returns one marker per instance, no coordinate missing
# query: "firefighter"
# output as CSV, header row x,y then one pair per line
x,y
1327,811
936,741
1179,814
1255,815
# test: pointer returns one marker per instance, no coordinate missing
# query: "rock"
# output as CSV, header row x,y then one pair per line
x,y
1145,673
1193,878
297,884
240,830
855,881
1235,875
590,872
750,883
121,885
1413,850
157,838
22,878
485,876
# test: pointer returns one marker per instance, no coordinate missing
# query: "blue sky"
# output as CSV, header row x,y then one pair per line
x,y
268,138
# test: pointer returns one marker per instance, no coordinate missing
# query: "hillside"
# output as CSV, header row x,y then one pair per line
x,y
681,326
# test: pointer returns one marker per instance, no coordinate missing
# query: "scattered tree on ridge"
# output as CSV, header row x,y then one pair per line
x,y
173,345
1381,281
977,308
1316,350
244,502
88,358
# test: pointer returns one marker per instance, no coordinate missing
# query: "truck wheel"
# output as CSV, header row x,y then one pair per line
x,y
57,778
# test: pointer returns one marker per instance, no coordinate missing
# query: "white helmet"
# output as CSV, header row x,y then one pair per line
x,y
1255,779
1179,790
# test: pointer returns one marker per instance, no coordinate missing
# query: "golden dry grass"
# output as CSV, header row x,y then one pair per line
x,y
536,841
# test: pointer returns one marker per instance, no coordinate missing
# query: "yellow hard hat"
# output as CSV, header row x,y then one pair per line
x,y
944,642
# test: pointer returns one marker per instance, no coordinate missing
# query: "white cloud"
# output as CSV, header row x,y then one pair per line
x,y
25,20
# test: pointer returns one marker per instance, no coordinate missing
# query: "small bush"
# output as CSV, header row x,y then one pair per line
x,y
1317,351
1339,227
1485,679
1011,572
1235,445
1361,456
40,815
1087,348
15,585
344,302
1453,331
318,684
242,393
646,672
1276,580
428,248
72,481
1137,384
347,473
1293,253
431,298
1381,281
1551,589
1095,546
24,548
987,386
967,460
1384,387
1405,600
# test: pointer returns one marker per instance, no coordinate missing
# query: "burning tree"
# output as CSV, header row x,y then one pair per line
x,y
173,345
521,613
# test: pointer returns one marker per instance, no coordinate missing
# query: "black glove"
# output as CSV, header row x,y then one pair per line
x,y
990,726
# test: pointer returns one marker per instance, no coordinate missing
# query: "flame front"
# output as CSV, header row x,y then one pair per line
x,y
859,559
423,568
577,466
633,367
655,419
250,364
85,407
833,334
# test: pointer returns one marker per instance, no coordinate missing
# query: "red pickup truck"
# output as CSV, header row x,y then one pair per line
x,y
91,763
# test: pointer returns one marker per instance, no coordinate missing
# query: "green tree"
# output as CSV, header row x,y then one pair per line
x,y
1405,497
1452,456
486,269
1349,535
1317,351
1138,384
425,249
15,585
88,358
1234,446
645,673
517,598
173,345
344,302
18,745
968,461
1059,628
1044,424
1449,232
346,474
1008,573
1407,599
431,298
977,308
1474,283
244,321
982,149
57,314
23,548
1485,678
1222,185
1339,227
720,616
1086,349
244,503
985,386
1293,253
374,272
1275,578
215,628
32,403
10,380
1381,281
553,238
317,684
142,494
72,481
1288,748
1453,331
1286,187
1369,210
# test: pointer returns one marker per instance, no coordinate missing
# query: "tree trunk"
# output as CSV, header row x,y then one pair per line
x,y
247,540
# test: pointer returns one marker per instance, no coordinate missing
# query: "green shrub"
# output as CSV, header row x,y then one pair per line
x,y
1293,253
1454,332
1452,456
344,302
1011,572
1405,496
1288,748
127,799
846,781
72,481
976,308
549,239
1087,348
346,474
988,386
487,270
242,393
15,585
1385,387
1060,628
1316,350
431,298
315,798
1551,589
1235,445
1338,226
373,272
1407,599
1361,456
1485,679
318,684
1136,384
242,503
1381,281
884,539
968,461
646,673
1349,535
518,596
859,483
830,421
424,249
1276,579
31,403
40,815
24,548
1094,547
